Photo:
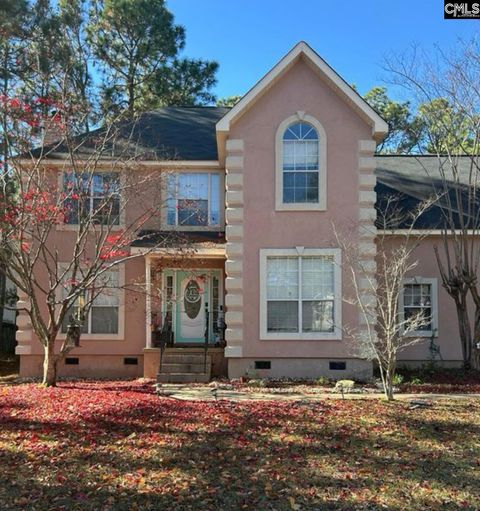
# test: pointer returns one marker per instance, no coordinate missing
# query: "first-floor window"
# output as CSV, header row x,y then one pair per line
x,y
301,293
419,299
102,304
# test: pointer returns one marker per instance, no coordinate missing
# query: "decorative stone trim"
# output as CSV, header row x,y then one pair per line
x,y
234,248
24,335
235,145
233,352
366,225
234,162
234,232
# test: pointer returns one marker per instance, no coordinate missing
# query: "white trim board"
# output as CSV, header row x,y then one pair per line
x,y
132,165
216,253
426,232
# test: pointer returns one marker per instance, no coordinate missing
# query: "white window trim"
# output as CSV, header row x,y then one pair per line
x,y
337,282
120,335
214,227
321,205
121,223
433,282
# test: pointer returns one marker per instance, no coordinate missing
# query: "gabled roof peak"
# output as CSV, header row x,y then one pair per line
x,y
303,50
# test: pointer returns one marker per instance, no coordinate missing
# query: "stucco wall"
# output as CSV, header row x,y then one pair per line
x,y
448,339
111,352
300,89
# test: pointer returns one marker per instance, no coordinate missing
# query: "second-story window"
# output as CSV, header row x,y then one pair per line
x,y
94,194
300,164
193,199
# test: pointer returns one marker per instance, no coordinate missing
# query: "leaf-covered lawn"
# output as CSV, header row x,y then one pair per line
x,y
117,446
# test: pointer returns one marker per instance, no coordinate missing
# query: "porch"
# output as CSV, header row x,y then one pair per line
x,y
185,334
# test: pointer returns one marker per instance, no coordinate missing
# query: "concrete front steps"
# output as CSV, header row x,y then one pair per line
x,y
187,367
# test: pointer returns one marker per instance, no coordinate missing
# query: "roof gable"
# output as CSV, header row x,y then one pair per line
x,y
303,50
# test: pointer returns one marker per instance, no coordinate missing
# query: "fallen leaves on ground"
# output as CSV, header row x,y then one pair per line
x,y
118,446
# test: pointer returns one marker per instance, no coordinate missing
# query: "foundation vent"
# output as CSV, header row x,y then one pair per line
x,y
337,366
72,361
263,364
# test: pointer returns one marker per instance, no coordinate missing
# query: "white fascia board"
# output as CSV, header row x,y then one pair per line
x,y
379,126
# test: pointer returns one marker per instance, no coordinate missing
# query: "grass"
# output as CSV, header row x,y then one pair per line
x,y
117,446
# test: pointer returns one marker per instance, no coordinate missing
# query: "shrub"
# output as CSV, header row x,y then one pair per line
x,y
397,379
416,381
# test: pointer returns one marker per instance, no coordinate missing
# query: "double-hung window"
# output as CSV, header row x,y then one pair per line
x,y
300,294
95,194
418,302
102,305
300,164
193,199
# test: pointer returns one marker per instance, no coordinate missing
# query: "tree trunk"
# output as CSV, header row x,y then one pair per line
x,y
50,362
2,302
465,331
389,391
388,387
386,374
475,352
131,97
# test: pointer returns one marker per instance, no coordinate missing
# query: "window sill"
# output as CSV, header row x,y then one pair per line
x,y
428,333
74,227
187,228
317,336
300,207
96,337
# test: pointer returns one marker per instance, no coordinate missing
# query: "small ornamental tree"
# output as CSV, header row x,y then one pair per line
x,y
67,227
377,297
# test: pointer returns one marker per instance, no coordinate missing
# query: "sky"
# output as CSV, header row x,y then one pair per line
x,y
247,37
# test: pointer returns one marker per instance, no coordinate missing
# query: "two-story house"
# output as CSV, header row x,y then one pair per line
x,y
270,177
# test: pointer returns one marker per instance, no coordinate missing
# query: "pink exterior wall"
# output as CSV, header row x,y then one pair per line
x,y
300,89
448,337
131,344
104,357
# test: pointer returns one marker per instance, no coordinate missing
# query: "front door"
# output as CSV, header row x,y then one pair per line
x,y
193,295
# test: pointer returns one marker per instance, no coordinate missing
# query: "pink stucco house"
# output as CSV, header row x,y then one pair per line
x,y
293,157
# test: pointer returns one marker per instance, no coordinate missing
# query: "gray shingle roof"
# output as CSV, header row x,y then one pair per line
x,y
180,133
416,179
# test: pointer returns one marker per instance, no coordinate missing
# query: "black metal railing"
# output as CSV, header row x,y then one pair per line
x,y
206,337
163,338
214,333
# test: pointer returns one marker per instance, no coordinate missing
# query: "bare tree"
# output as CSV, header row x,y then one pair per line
x,y
387,330
70,224
445,87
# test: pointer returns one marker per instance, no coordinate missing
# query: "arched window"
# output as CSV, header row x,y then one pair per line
x,y
301,161
300,164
